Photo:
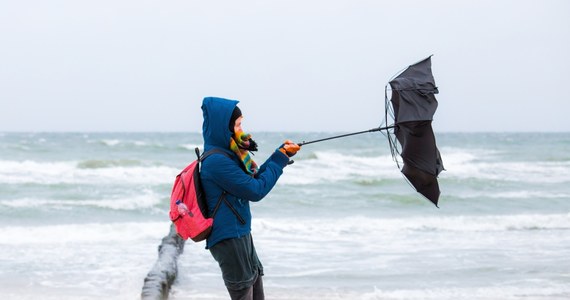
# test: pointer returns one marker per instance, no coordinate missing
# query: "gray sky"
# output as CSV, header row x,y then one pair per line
x,y
295,65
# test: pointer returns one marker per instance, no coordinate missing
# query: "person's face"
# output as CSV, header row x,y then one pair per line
x,y
237,125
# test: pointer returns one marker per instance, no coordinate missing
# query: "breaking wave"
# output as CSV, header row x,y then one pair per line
x,y
141,200
82,233
324,166
292,228
362,226
84,172
486,165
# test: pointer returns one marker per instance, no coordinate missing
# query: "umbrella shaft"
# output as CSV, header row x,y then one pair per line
x,y
348,134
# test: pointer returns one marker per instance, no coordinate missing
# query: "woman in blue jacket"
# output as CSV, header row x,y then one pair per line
x,y
236,177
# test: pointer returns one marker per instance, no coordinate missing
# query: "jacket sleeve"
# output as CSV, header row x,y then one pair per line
x,y
230,176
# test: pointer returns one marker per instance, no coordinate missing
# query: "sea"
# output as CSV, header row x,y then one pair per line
x,y
82,216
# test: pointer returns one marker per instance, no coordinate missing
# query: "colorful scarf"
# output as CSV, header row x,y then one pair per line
x,y
241,143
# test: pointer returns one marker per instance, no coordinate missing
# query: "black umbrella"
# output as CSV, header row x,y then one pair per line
x,y
410,135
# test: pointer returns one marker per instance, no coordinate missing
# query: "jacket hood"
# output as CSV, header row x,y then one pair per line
x,y
215,129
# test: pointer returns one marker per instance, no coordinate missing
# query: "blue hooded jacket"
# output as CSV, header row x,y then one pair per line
x,y
221,173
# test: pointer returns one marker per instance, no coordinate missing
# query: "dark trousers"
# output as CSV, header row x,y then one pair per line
x,y
240,266
254,292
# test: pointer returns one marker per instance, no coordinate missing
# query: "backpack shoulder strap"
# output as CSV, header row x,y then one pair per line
x,y
223,195
232,208
209,152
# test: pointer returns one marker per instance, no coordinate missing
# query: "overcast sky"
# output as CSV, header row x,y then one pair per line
x,y
296,65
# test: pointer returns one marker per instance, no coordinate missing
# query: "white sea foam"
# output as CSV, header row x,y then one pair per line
x,y
334,166
143,199
140,143
557,292
359,225
330,166
489,293
297,229
111,142
479,164
121,143
12,172
191,146
459,156
518,194
83,233
537,172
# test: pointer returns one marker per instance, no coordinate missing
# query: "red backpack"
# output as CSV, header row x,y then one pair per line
x,y
195,223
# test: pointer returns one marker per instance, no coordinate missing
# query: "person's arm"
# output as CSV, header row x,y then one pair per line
x,y
230,177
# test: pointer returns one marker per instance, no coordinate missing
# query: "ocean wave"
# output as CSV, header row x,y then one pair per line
x,y
191,147
83,233
107,163
528,172
110,142
337,229
73,172
141,145
144,200
518,194
361,226
488,165
558,291
331,166
127,143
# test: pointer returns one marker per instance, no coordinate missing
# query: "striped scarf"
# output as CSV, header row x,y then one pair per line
x,y
240,144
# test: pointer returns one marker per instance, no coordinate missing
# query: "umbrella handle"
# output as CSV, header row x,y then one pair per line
x,y
345,135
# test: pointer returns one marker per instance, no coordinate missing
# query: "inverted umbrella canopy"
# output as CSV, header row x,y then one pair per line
x,y
414,104
410,112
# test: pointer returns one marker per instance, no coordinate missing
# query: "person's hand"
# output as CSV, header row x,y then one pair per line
x,y
289,148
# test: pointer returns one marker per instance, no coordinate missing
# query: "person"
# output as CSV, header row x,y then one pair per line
x,y
238,178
